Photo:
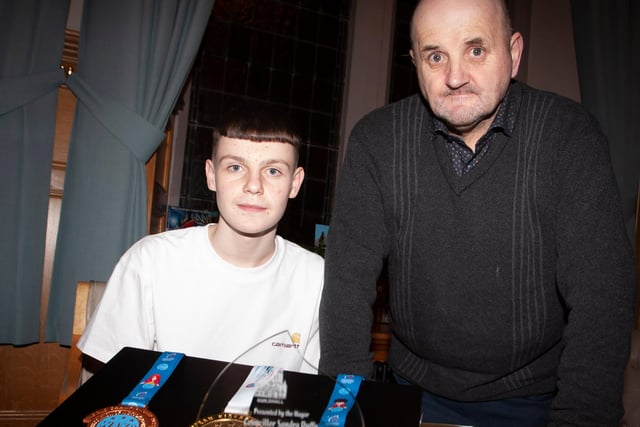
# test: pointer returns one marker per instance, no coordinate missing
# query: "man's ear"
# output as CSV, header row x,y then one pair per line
x,y
413,58
209,171
516,46
296,183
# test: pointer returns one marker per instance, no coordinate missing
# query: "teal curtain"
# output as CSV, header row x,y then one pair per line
x,y
607,40
133,60
31,42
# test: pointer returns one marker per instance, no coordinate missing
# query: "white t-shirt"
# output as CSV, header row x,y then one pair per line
x,y
172,292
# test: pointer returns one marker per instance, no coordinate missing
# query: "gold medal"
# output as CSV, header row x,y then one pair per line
x,y
121,415
227,420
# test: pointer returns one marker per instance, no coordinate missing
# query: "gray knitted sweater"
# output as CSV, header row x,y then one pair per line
x,y
514,279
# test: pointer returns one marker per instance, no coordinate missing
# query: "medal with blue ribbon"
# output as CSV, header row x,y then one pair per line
x,y
132,411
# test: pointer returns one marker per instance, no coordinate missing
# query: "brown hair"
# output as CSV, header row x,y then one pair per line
x,y
258,124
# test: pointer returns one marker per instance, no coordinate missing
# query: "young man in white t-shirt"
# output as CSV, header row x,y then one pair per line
x,y
231,291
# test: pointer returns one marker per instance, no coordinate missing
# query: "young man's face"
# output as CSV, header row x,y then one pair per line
x,y
464,60
253,182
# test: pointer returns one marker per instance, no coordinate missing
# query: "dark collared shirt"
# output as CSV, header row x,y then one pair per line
x,y
464,158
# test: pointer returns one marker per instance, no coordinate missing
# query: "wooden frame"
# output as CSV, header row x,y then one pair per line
x,y
88,295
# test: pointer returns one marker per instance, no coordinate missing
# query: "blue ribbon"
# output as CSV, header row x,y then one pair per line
x,y
341,400
153,380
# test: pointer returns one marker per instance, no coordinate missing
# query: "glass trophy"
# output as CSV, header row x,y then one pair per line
x,y
252,391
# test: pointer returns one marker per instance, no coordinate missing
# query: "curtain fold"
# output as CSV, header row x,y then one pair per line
x,y
133,60
607,41
20,91
127,127
31,43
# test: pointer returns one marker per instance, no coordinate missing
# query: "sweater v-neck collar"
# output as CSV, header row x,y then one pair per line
x,y
459,184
